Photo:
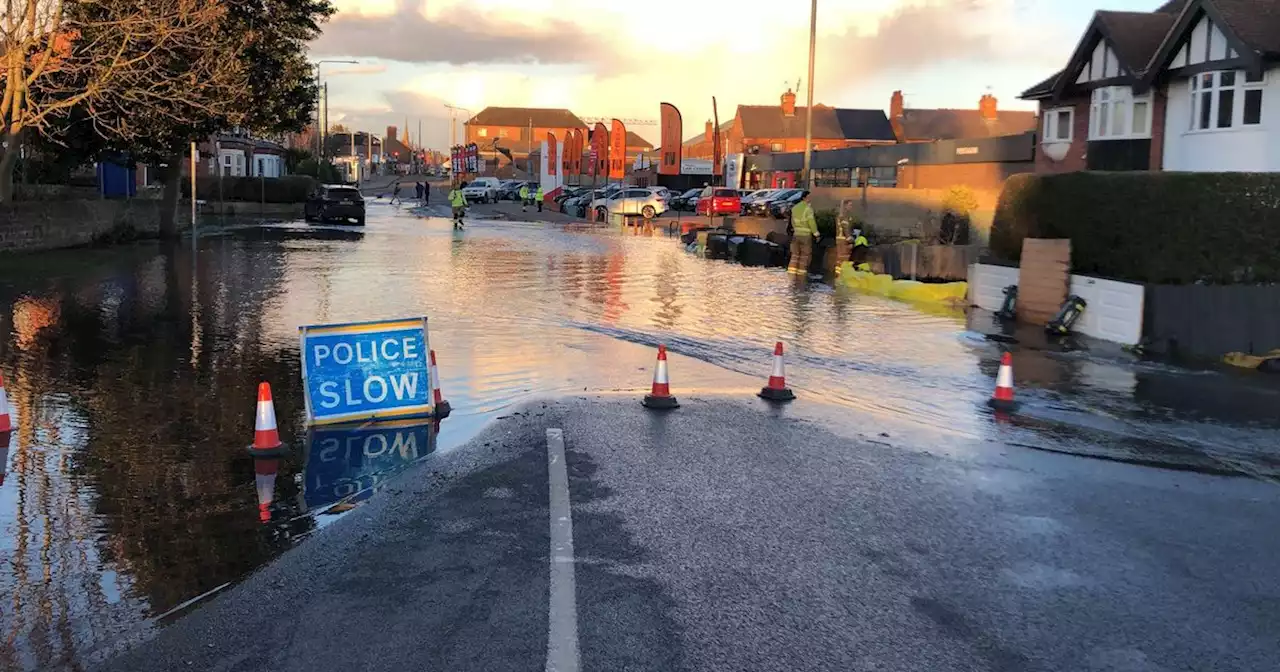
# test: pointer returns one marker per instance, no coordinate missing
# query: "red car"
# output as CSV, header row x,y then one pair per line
x,y
719,201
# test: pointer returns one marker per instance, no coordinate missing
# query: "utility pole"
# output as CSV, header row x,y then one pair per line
x,y
530,154
325,136
194,226
355,158
808,113
368,150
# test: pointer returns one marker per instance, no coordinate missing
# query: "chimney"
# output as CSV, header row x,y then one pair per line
x,y
391,132
896,109
987,107
788,104
710,130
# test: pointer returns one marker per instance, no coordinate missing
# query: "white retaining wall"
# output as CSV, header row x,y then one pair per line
x,y
1114,311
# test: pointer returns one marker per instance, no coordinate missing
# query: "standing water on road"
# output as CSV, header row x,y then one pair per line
x,y
128,494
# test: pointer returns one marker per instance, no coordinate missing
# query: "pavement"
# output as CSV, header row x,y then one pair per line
x,y
729,535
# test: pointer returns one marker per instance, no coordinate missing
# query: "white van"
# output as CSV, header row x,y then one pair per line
x,y
483,189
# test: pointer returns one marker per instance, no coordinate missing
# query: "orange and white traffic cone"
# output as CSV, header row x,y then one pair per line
x,y
442,407
264,479
1002,399
777,389
266,438
6,423
4,454
660,398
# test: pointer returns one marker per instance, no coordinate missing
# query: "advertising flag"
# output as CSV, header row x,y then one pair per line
x,y
717,152
600,150
551,153
618,151
672,139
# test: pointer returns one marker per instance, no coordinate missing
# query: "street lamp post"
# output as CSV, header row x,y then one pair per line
x,y
808,123
322,120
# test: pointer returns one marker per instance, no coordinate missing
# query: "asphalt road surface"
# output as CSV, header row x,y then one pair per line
x,y
729,536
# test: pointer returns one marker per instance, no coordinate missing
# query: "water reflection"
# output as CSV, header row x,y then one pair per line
x,y
134,371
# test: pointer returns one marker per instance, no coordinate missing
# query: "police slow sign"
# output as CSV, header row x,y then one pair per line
x,y
366,371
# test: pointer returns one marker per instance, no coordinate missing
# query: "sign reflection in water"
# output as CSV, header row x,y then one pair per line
x,y
347,462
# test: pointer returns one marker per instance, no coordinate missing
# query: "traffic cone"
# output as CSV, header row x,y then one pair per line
x,y
777,389
660,398
264,480
266,438
443,409
1002,400
4,454
5,423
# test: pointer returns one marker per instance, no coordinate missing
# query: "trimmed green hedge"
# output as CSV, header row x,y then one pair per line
x,y
288,189
1158,227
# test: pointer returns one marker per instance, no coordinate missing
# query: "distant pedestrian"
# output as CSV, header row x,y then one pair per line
x,y
538,197
417,190
395,194
805,228
524,197
860,251
426,193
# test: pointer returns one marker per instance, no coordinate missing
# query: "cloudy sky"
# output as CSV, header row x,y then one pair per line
x,y
616,58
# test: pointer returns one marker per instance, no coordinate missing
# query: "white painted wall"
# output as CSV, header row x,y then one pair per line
x,y
1114,310
1113,313
987,283
1238,149
272,165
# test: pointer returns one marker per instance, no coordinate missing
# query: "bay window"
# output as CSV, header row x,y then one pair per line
x,y
1057,125
1115,114
1226,99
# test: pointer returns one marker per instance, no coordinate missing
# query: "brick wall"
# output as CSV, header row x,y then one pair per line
x,y
978,176
27,226
1076,156
907,213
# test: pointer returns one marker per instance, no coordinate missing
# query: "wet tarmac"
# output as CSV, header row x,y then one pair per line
x,y
128,495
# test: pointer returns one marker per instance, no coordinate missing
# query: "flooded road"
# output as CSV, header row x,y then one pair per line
x,y
133,371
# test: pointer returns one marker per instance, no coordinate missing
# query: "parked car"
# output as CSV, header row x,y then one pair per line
x,y
645,202
329,202
755,196
510,190
567,193
482,189
760,206
579,205
686,201
719,201
781,208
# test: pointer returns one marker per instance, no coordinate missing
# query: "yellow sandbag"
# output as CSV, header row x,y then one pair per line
x,y
1244,361
951,293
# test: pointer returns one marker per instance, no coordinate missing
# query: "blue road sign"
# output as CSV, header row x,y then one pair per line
x,y
349,461
366,371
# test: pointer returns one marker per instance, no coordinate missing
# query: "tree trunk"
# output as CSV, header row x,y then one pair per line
x,y
7,163
172,197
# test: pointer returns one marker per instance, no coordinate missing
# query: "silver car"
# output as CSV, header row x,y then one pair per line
x,y
648,203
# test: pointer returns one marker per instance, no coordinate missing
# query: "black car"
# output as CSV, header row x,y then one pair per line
x,y
686,201
781,208
761,207
330,202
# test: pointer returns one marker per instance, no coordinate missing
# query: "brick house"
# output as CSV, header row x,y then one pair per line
x,y
929,125
508,128
769,129
1183,87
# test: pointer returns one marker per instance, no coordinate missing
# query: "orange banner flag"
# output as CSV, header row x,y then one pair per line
x,y
672,140
618,151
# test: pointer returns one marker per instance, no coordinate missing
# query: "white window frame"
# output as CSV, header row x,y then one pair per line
x,y
1198,89
1111,114
1051,124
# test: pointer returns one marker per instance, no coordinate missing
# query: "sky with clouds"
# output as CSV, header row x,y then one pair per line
x,y
615,58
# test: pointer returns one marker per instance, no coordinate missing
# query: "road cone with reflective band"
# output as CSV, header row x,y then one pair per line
x,y
4,454
264,480
777,389
660,398
266,438
1002,399
6,423
442,407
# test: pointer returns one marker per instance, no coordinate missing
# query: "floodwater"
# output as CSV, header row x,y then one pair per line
x,y
128,496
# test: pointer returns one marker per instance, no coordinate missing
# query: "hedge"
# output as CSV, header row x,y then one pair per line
x,y
1157,227
288,189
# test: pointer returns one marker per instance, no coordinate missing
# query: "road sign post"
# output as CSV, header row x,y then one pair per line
x,y
366,371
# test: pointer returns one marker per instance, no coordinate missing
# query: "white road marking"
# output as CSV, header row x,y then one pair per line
x,y
562,630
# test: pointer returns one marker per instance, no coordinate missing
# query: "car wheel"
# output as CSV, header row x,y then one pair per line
x,y
648,212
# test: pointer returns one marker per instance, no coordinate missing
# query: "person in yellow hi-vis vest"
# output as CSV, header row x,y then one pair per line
x,y
538,197
806,228
860,252
459,203
524,197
